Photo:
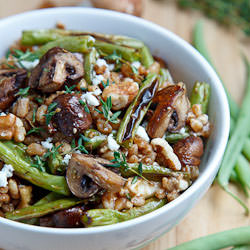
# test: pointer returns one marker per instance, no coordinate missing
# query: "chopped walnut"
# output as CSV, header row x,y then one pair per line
x,y
11,127
198,121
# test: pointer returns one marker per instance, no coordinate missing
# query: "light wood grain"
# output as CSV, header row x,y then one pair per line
x,y
217,211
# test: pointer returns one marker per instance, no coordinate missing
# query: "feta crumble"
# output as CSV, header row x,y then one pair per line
x,y
66,159
3,114
101,62
136,64
111,67
97,79
28,64
90,99
112,144
6,172
141,131
47,144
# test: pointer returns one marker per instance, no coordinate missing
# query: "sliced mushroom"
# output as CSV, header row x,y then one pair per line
x,y
55,68
85,176
10,81
71,117
170,112
165,154
189,150
68,218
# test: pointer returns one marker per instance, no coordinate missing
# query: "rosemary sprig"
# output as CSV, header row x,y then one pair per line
x,y
50,112
54,152
39,164
106,111
36,130
84,104
23,92
119,161
69,90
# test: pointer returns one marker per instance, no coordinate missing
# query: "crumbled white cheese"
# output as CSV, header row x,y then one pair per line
x,y
78,152
2,114
6,172
112,144
91,38
74,130
182,130
47,144
66,159
101,62
28,64
136,64
90,99
141,131
80,115
111,67
183,185
128,79
97,79
97,92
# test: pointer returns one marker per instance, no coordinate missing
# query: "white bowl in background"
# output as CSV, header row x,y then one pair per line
x,y
186,65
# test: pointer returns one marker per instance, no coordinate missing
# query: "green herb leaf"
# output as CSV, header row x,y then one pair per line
x,y
50,112
105,84
69,90
39,100
36,130
34,115
39,164
23,92
140,169
135,178
86,108
134,69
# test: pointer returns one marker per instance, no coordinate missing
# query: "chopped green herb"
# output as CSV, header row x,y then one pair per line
x,y
73,143
84,138
119,161
34,115
50,112
54,152
134,69
86,108
83,89
45,70
135,178
80,145
39,164
114,57
69,90
23,92
105,84
106,111
35,130
128,196
39,100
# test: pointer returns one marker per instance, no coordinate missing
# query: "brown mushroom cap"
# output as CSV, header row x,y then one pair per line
x,y
72,117
83,167
189,150
10,81
55,68
170,112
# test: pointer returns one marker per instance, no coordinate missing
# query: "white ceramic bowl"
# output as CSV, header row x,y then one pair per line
x,y
186,65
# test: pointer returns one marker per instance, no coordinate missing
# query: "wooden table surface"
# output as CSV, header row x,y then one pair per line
x,y
217,211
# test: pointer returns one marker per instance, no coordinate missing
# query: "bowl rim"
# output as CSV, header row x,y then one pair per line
x,y
212,166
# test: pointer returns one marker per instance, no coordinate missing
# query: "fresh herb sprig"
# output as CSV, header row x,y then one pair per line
x,y
119,161
23,92
52,152
50,112
36,130
106,111
84,104
69,90
39,164
80,146
21,56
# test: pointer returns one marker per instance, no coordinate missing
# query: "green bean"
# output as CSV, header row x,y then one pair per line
x,y
95,141
244,247
242,169
165,76
89,62
199,44
201,95
41,210
128,54
102,217
246,149
72,44
136,111
56,164
236,142
174,137
149,169
234,178
146,57
237,236
10,154
48,198
42,36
